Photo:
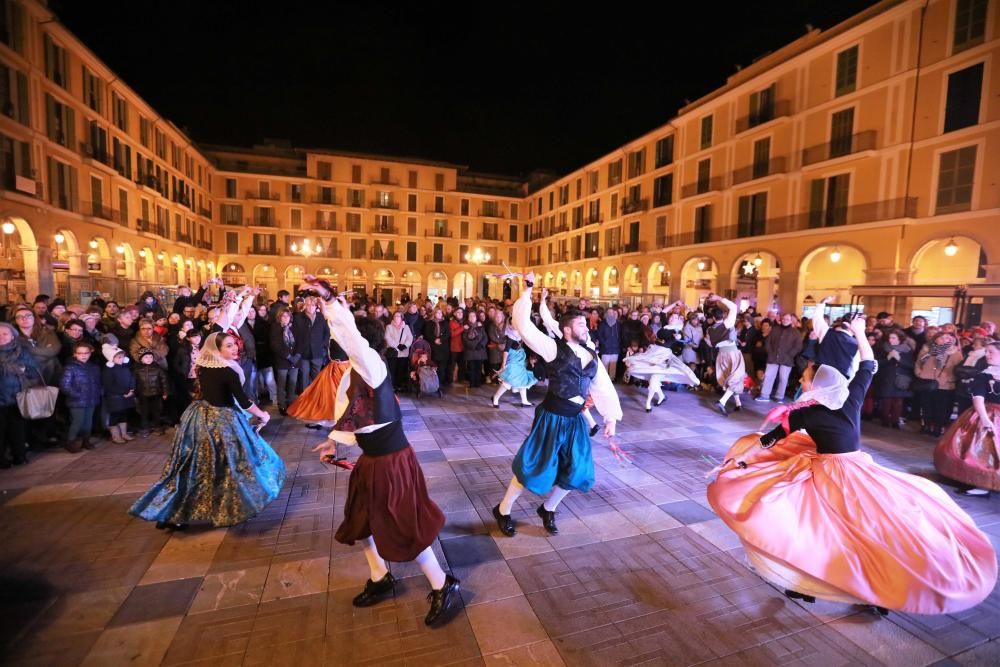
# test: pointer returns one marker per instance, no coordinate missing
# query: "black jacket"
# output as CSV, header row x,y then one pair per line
x,y
440,352
282,356
150,381
311,338
181,302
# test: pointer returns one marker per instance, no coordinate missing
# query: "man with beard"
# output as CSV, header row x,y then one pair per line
x,y
557,451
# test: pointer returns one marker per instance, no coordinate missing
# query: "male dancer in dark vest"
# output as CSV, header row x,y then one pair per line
x,y
388,508
556,454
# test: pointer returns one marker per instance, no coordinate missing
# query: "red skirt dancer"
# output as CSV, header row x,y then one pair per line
x,y
843,528
319,399
968,453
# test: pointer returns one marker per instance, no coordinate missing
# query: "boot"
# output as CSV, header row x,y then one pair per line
x,y
116,436
86,444
73,446
123,429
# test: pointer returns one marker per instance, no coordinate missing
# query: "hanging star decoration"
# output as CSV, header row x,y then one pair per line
x,y
749,268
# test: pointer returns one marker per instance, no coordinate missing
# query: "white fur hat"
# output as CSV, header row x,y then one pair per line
x,y
110,352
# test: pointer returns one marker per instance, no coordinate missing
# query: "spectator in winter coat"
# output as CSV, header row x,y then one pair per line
x,y
148,303
286,358
437,333
456,327
312,334
186,300
609,341
119,391
783,344
474,349
151,389
18,371
80,386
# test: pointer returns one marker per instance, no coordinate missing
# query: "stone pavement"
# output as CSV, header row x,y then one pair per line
x,y
641,573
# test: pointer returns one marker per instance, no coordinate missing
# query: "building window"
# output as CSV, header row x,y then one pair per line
x,y
60,127
512,256
614,176
752,215
439,181
970,23
384,175
355,198
828,199
358,248
706,131
847,71
295,218
637,163
411,251
955,174
15,160
13,94
513,211
93,91
841,131
294,192
702,223
123,207
663,190
664,151
411,226
412,178
512,233
411,203
55,63
324,171
12,25
704,176
231,214
965,89
438,251
326,195
761,106
144,127
438,205
464,227
355,173
590,243
231,188
354,222
233,243
761,157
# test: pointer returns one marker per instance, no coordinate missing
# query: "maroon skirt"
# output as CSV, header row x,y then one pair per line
x,y
387,499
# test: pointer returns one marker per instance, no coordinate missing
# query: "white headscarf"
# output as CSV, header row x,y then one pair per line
x,y
209,357
828,388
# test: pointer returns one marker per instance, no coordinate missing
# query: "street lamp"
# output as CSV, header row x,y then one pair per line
x,y
951,248
477,257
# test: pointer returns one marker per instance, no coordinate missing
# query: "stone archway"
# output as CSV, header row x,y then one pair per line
x,y
658,280
830,270
699,277
22,254
754,276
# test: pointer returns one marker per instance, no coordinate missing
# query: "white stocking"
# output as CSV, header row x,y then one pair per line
x,y
552,502
725,397
589,417
513,491
501,390
429,565
375,562
524,396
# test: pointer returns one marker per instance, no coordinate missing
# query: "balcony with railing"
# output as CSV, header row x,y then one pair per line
x,y
634,206
144,225
558,229
261,250
326,201
440,210
534,261
442,259
383,256
384,181
205,212
355,202
263,196
262,222
890,209
751,172
703,186
489,236
183,237
96,155
598,219
324,225
203,245
490,213
383,229
438,233
839,147
150,182
385,203
560,257
98,210
765,114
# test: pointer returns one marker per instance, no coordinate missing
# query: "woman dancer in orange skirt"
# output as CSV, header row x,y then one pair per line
x,y
820,519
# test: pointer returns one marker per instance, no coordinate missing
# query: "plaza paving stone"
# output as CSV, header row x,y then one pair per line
x,y
642,571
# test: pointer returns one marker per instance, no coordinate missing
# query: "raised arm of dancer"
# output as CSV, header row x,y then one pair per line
x,y
530,334
343,329
244,309
864,347
819,322
606,399
550,322
731,312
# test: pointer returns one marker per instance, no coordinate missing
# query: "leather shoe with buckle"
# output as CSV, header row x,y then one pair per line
x,y
441,599
374,591
548,520
504,522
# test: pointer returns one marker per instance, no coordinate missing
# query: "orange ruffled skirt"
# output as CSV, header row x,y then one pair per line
x,y
841,527
968,454
317,402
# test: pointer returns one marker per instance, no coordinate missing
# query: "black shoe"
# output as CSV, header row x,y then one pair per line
x,y
649,409
504,522
594,429
881,610
795,595
548,520
661,401
165,525
737,407
374,590
282,412
722,409
441,599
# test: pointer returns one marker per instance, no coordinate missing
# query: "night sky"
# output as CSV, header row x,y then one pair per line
x,y
500,87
